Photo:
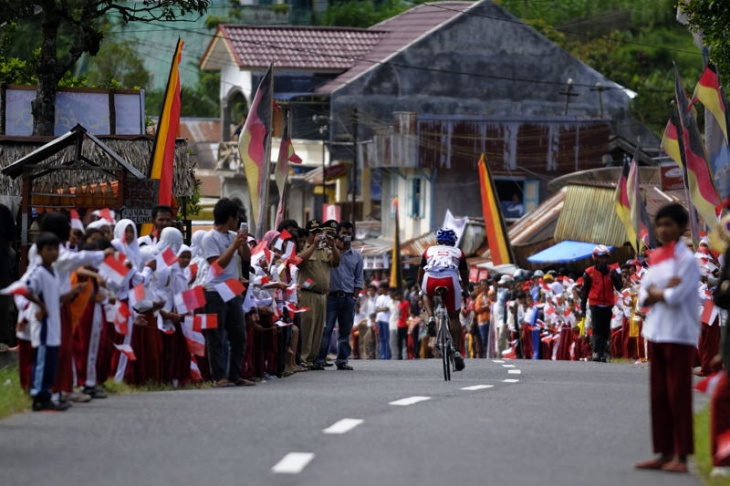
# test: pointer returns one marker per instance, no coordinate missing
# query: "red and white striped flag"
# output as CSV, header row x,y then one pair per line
x,y
114,268
229,289
215,269
105,214
308,283
16,288
709,383
194,339
195,374
166,258
190,300
294,309
121,318
127,350
723,446
203,322
76,223
137,294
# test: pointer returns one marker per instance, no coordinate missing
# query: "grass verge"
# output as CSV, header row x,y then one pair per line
x,y
702,456
12,397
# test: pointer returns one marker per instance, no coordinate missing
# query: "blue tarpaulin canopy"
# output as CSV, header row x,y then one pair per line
x,y
565,251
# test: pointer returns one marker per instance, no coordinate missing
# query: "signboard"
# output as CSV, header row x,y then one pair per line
x,y
330,211
335,171
139,198
672,179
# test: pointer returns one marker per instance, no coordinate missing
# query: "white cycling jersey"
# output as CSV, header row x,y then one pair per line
x,y
442,258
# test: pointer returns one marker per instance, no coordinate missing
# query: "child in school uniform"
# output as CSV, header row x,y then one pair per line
x,y
672,328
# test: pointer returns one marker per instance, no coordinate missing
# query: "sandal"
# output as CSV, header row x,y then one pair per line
x,y
222,383
243,382
675,467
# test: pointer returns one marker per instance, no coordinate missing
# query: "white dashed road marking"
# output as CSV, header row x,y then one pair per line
x,y
293,463
404,402
514,372
508,366
477,387
498,361
344,425
510,380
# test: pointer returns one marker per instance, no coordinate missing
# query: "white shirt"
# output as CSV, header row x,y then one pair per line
x,y
383,302
676,319
46,285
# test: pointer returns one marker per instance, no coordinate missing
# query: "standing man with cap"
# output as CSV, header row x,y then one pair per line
x,y
346,282
318,258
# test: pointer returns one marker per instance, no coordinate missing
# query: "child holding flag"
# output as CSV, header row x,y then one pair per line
x,y
671,329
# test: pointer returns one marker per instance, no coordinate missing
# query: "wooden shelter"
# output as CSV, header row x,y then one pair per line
x,y
79,170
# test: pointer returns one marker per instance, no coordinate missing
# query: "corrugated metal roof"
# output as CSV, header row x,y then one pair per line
x,y
589,215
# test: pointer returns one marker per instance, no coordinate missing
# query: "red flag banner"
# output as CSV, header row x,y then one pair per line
x,y
121,318
202,322
126,349
622,204
639,216
286,155
670,141
190,300
229,289
194,339
163,152
252,144
166,258
702,189
114,268
493,220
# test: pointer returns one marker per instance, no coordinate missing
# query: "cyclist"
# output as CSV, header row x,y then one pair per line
x,y
441,266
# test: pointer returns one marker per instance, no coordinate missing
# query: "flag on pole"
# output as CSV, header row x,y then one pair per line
x,y
699,177
622,203
195,374
121,318
639,216
202,322
252,144
670,140
163,152
166,258
189,300
76,223
493,220
126,349
194,339
286,155
709,93
114,268
229,289
396,278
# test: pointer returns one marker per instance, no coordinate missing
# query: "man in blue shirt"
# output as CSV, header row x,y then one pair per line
x,y
346,282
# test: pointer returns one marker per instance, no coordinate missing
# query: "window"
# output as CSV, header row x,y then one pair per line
x,y
416,198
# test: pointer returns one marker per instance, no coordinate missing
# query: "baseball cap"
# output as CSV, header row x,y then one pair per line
x,y
330,225
313,225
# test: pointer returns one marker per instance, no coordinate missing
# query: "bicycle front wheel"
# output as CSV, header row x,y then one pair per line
x,y
445,352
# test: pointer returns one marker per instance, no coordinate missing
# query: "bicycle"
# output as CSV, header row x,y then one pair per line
x,y
444,342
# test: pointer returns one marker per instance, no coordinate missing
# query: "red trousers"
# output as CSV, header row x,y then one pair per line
x,y
720,416
708,346
671,398
25,363
87,339
64,381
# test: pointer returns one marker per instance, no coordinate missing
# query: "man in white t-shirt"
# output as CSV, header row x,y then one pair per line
x,y
382,310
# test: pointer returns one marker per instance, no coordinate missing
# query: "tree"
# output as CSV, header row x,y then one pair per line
x,y
117,64
711,18
70,28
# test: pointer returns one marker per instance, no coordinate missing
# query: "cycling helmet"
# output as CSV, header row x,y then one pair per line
x,y
601,250
446,236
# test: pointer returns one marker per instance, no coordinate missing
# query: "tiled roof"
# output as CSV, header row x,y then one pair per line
x,y
402,30
310,48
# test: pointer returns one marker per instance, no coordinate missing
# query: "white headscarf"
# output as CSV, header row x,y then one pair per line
x,y
196,250
172,238
120,244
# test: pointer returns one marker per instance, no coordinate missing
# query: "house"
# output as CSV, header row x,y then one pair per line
x,y
421,96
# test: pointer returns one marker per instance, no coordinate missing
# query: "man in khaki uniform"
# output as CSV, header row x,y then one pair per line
x,y
318,257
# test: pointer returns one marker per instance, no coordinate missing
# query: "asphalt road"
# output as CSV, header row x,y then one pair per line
x,y
555,423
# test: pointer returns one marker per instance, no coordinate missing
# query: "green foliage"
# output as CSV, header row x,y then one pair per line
x,y
117,65
12,397
360,13
200,100
712,18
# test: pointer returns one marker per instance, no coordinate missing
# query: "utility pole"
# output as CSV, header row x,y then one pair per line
x,y
600,89
354,165
322,121
568,93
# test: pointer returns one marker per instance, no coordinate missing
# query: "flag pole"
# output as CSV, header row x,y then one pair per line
x,y
693,223
263,212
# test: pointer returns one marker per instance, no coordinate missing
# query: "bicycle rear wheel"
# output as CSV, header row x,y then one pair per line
x,y
445,346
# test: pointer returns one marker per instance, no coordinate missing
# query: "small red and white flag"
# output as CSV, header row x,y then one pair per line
x,y
194,339
114,268
105,214
166,258
76,223
193,271
723,446
203,322
121,318
709,312
16,288
127,350
709,383
195,374
308,283
229,289
190,300
137,294
294,309
662,254
285,235
215,269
